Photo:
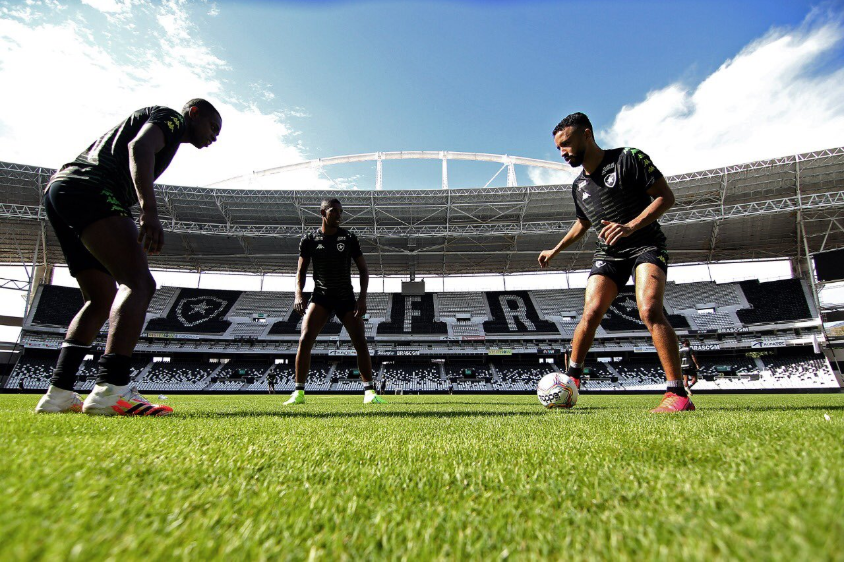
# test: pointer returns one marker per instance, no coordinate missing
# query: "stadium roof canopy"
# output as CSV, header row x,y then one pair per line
x,y
746,211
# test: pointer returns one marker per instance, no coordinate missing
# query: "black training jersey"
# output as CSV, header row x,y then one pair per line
x,y
617,192
331,257
105,164
686,357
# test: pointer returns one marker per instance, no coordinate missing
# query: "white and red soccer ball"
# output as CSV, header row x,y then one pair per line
x,y
556,390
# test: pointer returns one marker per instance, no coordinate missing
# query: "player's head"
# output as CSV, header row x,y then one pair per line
x,y
572,137
203,122
332,212
686,343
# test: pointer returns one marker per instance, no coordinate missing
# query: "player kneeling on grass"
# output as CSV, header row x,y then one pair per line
x,y
332,250
622,194
88,204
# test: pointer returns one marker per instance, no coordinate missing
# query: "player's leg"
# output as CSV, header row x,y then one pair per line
x,y
650,292
113,241
600,292
98,290
357,333
312,324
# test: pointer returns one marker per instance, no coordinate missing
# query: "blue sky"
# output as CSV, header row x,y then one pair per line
x,y
695,84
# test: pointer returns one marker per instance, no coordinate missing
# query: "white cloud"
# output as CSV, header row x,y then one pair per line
x,y
110,6
775,97
78,72
547,176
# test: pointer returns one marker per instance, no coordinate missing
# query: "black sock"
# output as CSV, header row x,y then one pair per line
x,y
574,372
114,369
677,388
367,385
300,386
70,358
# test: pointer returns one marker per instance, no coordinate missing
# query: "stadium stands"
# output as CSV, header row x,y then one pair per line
x,y
775,301
513,312
412,315
57,305
182,375
189,326
197,311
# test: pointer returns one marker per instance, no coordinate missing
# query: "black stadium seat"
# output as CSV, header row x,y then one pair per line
x,y
198,311
513,312
412,315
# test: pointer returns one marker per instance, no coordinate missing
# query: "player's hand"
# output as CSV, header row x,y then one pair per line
x,y
613,232
150,233
360,307
545,257
299,305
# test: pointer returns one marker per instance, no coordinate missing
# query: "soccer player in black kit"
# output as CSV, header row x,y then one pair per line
x,y
622,194
332,249
88,202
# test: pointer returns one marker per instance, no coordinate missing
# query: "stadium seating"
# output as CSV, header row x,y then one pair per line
x,y
513,312
179,376
450,305
412,315
270,304
686,296
57,305
34,370
520,376
560,303
774,301
197,311
161,301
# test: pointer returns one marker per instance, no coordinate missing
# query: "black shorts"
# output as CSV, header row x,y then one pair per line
x,y
689,371
339,306
70,209
620,270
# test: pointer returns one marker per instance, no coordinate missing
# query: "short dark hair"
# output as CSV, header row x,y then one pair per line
x,y
686,342
578,120
326,203
204,106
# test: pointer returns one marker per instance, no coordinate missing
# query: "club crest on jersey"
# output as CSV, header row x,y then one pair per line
x,y
609,180
340,247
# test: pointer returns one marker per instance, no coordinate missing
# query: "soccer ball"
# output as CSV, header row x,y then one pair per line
x,y
556,390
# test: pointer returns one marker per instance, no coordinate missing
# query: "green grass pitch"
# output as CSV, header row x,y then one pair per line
x,y
427,477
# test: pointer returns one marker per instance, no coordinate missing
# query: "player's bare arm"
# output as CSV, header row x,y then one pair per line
x,y
301,277
575,233
360,306
142,150
663,199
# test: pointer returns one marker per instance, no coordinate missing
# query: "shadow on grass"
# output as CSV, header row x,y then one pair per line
x,y
769,408
381,413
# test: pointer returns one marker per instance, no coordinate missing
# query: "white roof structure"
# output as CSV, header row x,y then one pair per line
x,y
746,211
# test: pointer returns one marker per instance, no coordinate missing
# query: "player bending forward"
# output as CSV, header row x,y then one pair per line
x,y
622,194
689,365
332,250
88,204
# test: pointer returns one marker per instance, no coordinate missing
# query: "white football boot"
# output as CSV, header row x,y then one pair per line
x,y
58,400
